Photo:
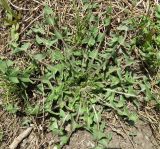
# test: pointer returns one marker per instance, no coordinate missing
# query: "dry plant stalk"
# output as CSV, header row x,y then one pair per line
x,y
19,139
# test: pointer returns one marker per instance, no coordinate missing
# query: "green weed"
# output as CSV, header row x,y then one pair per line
x,y
11,19
81,75
8,93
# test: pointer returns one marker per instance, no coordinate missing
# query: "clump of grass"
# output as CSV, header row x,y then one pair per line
x,y
83,73
8,93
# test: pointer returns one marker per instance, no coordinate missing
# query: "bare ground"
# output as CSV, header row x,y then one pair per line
x,y
140,136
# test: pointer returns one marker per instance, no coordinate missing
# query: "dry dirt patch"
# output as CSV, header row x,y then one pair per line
x,y
138,137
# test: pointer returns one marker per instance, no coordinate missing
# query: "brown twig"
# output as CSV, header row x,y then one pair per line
x,y
31,23
19,139
16,7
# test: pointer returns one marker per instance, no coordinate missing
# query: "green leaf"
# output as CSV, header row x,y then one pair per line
x,y
133,117
100,37
50,20
3,66
5,4
94,31
121,40
14,79
114,80
25,79
97,117
14,35
49,43
11,108
77,53
114,40
54,124
123,112
97,134
92,18
107,21
85,40
103,142
158,8
123,28
158,56
121,102
24,47
9,63
39,40
32,110
93,54
88,119
158,11
39,57
39,30
91,41
58,34
57,55
62,113
47,10
63,140
131,91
